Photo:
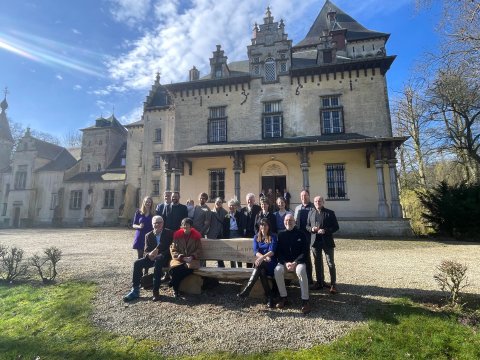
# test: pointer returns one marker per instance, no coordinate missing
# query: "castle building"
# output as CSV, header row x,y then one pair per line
x,y
314,116
43,184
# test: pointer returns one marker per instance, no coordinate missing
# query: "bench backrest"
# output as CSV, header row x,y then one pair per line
x,y
239,249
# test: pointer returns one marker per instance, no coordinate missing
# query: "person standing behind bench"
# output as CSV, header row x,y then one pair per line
x,y
322,223
142,223
157,254
301,216
264,247
292,251
176,212
249,213
185,250
217,218
232,225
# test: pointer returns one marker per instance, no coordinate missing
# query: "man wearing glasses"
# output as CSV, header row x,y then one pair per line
x,y
292,252
157,254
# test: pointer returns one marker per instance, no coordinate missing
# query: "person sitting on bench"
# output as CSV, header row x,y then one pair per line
x,y
185,250
157,254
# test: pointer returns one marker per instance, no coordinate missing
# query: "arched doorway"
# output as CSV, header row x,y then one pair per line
x,y
274,176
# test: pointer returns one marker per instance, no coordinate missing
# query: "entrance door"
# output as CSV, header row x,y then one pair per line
x,y
274,183
16,217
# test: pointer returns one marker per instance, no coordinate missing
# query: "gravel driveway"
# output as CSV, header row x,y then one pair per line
x,y
368,271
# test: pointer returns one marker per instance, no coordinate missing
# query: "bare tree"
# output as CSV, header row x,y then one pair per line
x,y
460,27
72,138
412,118
454,97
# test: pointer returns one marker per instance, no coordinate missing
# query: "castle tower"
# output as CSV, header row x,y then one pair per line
x,y
6,139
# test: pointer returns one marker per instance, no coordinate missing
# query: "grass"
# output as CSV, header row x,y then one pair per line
x,y
52,322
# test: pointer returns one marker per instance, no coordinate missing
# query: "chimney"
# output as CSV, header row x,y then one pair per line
x,y
194,74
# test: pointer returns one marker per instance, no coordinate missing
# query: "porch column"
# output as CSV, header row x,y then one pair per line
x,y
304,165
382,202
176,184
237,167
396,208
168,180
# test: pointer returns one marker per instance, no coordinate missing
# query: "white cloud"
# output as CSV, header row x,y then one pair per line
x,y
77,87
100,104
76,32
59,77
186,33
132,116
130,11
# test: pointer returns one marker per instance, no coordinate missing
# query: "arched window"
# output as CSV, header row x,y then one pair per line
x,y
270,70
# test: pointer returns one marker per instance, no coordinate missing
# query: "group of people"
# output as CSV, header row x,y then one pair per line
x,y
281,241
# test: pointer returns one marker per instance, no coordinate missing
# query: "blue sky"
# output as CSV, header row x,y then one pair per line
x,y
65,63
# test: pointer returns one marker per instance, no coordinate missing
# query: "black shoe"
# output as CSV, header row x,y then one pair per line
x,y
156,296
270,302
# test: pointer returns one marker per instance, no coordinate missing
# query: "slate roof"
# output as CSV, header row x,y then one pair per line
x,y
102,122
355,31
117,160
98,176
62,162
342,141
46,150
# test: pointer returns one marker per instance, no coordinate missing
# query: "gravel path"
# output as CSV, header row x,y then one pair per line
x,y
368,271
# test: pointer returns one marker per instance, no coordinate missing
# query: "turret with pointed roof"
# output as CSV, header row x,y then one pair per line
x,y
6,139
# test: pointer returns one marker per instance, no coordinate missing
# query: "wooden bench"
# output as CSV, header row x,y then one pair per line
x,y
238,250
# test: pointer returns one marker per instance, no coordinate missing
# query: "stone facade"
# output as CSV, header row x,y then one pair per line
x,y
45,185
310,116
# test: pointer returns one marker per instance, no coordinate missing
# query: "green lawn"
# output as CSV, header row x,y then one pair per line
x,y
52,322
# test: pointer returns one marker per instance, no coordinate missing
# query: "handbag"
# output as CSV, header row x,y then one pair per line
x,y
147,281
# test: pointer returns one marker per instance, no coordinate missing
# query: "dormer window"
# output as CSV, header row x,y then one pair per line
x,y
270,70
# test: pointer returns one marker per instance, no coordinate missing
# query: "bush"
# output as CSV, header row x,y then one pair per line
x,y
452,278
452,210
47,265
11,263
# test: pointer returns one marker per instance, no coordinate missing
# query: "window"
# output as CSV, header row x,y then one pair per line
x,y
54,201
272,120
270,70
88,168
157,160
21,177
217,125
218,71
158,135
109,199
283,67
217,183
256,70
331,115
336,183
156,187
99,167
327,56
4,210
75,199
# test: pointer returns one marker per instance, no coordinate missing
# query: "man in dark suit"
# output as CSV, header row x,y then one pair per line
x,y
157,254
177,212
321,224
162,208
249,213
